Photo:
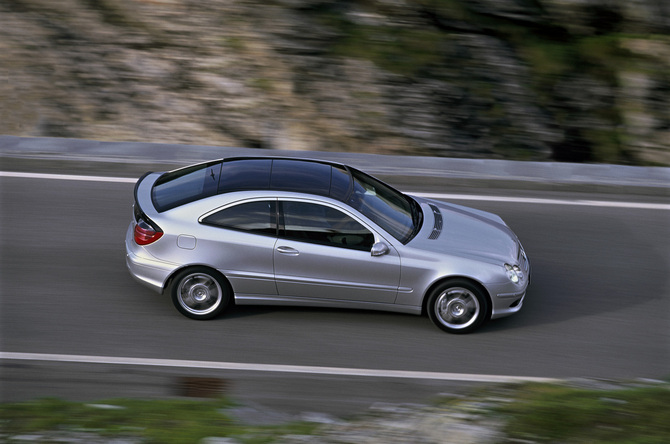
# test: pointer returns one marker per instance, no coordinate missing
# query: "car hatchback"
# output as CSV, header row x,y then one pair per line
x,y
281,231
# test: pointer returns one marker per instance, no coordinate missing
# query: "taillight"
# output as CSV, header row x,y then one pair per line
x,y
145,234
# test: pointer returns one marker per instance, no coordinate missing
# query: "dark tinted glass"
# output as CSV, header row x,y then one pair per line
x,y
255,217
340,184
385,206
247,174
185,185
308,222
299,176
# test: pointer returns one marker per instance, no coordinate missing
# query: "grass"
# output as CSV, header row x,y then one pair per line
x,y
162,421
554,413
532,413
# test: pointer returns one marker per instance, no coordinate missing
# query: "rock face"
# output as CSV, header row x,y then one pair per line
x,y
573,80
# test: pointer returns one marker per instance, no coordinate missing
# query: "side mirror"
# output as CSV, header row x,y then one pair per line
x,y
379,249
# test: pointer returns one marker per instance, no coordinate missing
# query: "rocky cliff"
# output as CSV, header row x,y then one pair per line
x,y
572,80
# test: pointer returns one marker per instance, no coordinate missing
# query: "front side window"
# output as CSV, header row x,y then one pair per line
x,y
258,217
320,224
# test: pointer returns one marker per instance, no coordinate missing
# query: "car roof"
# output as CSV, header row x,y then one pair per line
x,y
188,184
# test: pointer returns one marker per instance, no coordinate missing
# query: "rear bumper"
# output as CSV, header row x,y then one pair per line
x,y
144,268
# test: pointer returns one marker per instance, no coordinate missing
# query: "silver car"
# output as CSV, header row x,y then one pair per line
x,y
280,231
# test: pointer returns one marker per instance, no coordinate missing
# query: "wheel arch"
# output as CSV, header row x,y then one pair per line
x,y
168,282
445,279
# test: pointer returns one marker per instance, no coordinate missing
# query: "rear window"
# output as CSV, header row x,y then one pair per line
x,y
186,185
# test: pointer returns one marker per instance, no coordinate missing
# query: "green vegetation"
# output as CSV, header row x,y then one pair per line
x,y
403,51
531,412
553,413
233,43
164,421
118,14
554,55
261,83
579,82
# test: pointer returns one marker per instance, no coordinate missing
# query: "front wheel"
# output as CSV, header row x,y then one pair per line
x,y
200,293
458,306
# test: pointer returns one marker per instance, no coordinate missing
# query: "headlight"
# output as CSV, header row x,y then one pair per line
x,y
514,273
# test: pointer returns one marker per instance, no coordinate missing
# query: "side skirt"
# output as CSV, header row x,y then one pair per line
x,y
255,299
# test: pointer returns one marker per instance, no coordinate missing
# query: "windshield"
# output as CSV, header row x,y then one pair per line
x,y
395,212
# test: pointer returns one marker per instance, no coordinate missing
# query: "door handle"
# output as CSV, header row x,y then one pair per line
x,y
289,251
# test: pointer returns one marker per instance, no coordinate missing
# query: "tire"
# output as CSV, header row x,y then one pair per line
x,y
458,306
200,293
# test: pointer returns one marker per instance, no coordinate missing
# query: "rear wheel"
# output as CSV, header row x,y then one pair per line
x,y
458,306
200,293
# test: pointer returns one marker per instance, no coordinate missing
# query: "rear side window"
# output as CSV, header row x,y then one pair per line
x,y
254,217
186,185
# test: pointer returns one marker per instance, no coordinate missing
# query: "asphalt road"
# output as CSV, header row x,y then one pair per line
x,y
598,307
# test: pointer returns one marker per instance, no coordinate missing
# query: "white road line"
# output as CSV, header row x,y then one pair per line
x,y
67,177
274,368
531,200
445,196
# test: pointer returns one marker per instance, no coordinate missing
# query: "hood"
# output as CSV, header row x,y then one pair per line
x,y
465,232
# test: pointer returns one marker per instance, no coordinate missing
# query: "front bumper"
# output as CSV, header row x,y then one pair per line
x,y
505,304
508,298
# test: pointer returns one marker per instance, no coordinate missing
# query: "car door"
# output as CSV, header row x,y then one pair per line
x,y
239,241
324,253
